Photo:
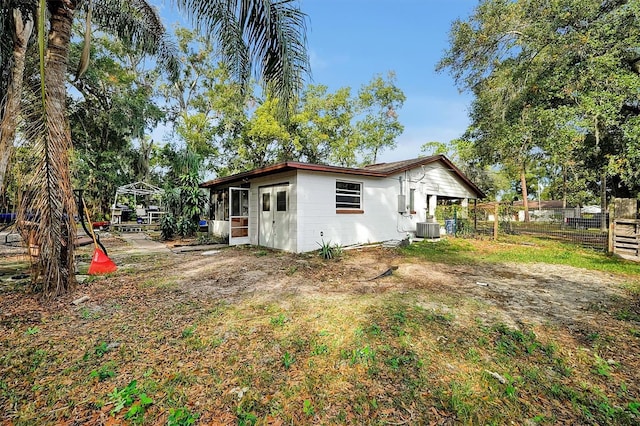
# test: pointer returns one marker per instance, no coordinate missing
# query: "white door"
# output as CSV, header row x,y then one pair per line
x,y
274,217
238,216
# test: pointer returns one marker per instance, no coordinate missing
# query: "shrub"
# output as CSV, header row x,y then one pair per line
x,y
168,227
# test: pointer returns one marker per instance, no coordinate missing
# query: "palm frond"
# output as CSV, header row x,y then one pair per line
x,y
137,22
21,27
285,59
6,52
83,64
266,36
7,38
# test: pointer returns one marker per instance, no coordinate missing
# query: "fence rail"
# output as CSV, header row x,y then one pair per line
x,y
626,238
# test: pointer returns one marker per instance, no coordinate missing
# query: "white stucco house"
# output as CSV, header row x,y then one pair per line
x,y
295,206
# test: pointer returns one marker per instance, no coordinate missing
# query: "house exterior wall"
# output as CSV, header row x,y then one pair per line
x,y
380,219
435,178
319,221
314,217
254,207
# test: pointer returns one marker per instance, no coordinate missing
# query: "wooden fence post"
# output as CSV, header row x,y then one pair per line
x,y
612,230
495,221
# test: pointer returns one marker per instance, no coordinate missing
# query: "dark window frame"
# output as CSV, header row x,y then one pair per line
x,y
281,204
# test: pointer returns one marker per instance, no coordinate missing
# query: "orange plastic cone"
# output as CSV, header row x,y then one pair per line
x,y
101,264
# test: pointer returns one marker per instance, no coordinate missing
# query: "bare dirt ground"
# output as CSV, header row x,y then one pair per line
x,y
529,293
513,293
534,292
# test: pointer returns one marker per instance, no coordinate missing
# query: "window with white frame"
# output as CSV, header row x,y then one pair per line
x,y
348,195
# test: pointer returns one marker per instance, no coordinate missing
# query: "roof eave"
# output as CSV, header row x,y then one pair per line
x,y
286,166
293,165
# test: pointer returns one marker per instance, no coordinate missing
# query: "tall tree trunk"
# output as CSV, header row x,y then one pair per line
x,y
603,181
603,200
50,203
525,194
564,187
23,29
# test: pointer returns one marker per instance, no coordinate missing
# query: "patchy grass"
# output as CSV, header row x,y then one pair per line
x,y
145,353
519,250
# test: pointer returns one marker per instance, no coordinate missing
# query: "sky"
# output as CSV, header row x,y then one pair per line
x,y
351,41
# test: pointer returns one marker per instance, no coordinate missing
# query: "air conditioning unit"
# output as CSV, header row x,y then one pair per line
x,y
427,230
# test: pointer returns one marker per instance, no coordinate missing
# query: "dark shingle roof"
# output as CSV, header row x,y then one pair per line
x,y
374,170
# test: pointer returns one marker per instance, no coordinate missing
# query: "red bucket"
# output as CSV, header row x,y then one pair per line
x,y
101,264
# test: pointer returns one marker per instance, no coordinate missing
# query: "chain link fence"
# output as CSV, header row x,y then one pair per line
x,y
590,230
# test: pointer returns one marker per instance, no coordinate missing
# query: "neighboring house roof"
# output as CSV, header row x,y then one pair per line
x,y
375,170
533,204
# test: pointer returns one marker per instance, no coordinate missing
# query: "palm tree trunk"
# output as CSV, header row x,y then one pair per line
x,y
23,29
51,202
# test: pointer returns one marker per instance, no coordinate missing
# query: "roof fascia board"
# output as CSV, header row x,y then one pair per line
x,y
292,165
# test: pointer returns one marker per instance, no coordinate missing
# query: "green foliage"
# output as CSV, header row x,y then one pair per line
x,y
181,417
183,197
288,360
379,102
279,320
464,228
168,227
116,108
337,127
320,349
105,372
31,331
515,342
129,396
602,367
307,408
37,358
204,238
364,355
245,418
235,130
186,226
554,90
445,250
627,315
188,332
101,349
88,314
